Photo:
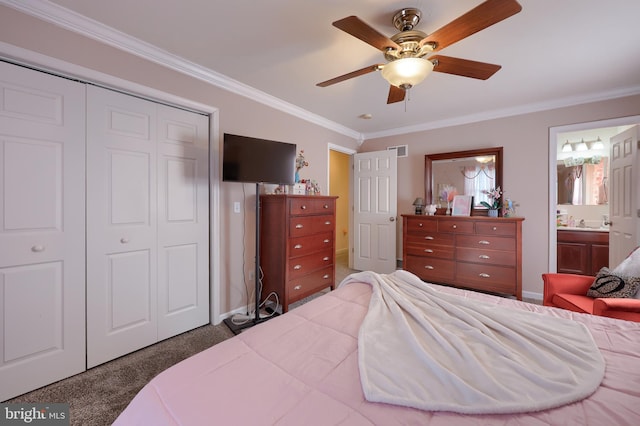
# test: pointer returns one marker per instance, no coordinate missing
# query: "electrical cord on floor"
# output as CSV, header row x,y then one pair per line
x,y
241,319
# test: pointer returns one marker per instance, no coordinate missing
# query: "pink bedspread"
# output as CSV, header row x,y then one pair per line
x,y
302,369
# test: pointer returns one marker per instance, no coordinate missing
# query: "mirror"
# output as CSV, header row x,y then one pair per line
x,y
583,181
467,172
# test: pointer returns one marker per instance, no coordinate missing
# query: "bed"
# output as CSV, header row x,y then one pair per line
x,y
303,368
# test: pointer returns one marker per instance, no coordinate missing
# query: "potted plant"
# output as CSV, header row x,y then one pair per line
x,y
494,195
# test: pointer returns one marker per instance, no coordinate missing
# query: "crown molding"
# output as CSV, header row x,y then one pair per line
x,y
72,21
507,112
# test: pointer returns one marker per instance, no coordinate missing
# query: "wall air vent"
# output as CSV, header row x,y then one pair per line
x,y
401,150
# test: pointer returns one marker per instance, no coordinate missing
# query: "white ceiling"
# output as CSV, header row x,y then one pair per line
x,y
553,53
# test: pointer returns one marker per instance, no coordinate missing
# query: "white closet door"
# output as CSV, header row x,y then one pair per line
x,y
121,225
183,221
42,237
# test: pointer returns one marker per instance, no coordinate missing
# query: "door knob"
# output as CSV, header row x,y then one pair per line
x,y
391,219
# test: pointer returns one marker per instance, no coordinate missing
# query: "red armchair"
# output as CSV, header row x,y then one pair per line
x,y
569,291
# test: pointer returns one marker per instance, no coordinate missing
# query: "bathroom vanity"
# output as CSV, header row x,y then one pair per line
x,y
582,250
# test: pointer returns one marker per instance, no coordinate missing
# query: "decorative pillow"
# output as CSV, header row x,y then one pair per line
x,y
608,284
630,267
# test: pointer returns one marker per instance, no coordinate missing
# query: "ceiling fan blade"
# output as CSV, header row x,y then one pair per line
x,y
396,94
482,16
352,74
463,67
359,29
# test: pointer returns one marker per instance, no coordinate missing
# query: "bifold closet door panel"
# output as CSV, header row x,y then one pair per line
x,y
121,224
42,229
183,221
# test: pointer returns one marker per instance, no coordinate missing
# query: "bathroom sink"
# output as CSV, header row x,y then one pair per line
x,y
583,228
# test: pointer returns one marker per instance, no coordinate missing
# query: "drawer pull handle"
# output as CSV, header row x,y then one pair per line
x,y
328,222
428,267
37,248
298,287
326,258
420,225
299,226
454,226
495,228
297,246
327,241
124,240
303,207
484,242
428,251
484,256
326,206
429,237
297,267
325,276
483,275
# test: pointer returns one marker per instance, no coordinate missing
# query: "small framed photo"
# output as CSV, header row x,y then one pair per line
x,y
462,205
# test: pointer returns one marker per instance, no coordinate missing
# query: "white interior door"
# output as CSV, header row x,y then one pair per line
x,y
42,237
121,225
624,212
183,221
375,209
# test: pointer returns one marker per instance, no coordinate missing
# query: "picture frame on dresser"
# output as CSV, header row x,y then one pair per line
x,y
462,205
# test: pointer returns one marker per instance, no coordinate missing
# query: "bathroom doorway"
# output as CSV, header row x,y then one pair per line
x,y
579,179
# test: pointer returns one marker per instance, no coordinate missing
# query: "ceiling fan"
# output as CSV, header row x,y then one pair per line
x,y
409,52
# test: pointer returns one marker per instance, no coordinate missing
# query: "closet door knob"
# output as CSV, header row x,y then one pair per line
x,y
37,248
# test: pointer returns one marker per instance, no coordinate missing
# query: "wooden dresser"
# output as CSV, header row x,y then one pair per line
x,y
478,253
297,245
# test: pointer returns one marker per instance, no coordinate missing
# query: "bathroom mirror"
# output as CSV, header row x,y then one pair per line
x,y
583,181
465,172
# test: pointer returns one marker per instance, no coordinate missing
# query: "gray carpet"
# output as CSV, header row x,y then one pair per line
x,y
98,396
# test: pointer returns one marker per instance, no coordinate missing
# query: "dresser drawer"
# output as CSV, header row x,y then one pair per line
x,y
301,246
416,224
303,265
430,269
430,238
455,226
492,278
488,257
309,284
308,206
308,225
430,250
502,229
486,242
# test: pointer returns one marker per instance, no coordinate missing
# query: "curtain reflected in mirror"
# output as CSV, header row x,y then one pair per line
x,y
464,176
583,184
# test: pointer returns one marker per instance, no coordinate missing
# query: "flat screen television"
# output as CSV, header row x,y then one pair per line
x,y
254,160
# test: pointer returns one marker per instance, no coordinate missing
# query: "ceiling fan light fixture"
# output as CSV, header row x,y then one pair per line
x,y
407,72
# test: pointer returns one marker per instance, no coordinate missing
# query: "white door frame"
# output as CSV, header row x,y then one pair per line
x,y
338,148
553,173
36,60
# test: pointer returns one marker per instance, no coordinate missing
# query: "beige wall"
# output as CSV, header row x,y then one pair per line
x,y
525,139
237,114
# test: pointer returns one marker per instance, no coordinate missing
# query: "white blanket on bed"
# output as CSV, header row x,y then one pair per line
x,y
422,348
